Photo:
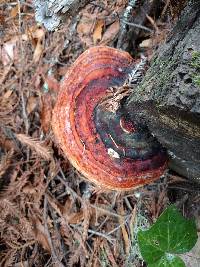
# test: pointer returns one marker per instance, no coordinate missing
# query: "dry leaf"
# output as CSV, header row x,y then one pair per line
x,y
46,112
8,144
124,232
110,33
75,218
85,25
84,29
67,207
32,103
8,52
97,34
55,205
29,189
7,94
71,217
14,11
36,35
34,145
147,43
38,51
41,235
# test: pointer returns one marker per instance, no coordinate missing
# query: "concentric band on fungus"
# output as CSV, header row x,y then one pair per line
x,y
96,141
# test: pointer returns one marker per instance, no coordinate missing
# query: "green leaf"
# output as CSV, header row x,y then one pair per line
x,y
168,261
171,234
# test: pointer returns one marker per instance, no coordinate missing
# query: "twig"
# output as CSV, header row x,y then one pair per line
x,y
127,37
55,258
106,211
153,23
138,26
119,226
101,234
126,16
58,235
21,67
128,203
99,227
96,233
110,254
69,188
62,180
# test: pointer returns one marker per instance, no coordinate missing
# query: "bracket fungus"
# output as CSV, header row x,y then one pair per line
x,y
94,132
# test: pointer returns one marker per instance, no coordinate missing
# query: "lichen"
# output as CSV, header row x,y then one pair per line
x,y
195,63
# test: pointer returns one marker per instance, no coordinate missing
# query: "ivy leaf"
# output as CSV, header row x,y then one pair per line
x,y
168,260
171,234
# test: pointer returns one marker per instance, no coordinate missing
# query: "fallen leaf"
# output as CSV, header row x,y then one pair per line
x,y
32,103
8,144
85,25
38,51
110,33
46,112
7,94
71,217
41,235
97,34
14,11
146,43
55,204
75,218
29,189
36,35
8,52
84,29
67,207
39,33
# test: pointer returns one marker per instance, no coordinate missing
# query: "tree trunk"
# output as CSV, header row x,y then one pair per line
x,y
168,99
51,13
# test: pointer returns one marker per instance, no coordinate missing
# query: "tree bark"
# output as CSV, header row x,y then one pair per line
x,y
168,98
51,13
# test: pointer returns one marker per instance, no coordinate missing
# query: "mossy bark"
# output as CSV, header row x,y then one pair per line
x,y
168,99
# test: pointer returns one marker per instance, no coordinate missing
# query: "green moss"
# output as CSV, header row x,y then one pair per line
x,y
159,75
195,63
196,80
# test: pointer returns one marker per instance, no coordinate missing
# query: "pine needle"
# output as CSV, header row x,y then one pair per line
x,y
35,145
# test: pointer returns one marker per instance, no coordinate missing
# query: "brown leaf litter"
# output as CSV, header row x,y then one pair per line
x,y
50,215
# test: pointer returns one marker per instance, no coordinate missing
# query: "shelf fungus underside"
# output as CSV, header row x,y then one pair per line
x,y
103,144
